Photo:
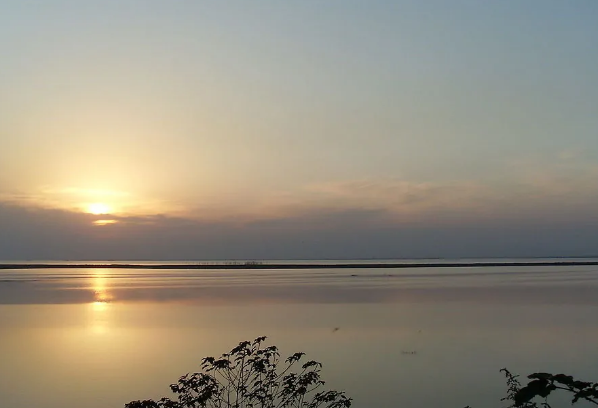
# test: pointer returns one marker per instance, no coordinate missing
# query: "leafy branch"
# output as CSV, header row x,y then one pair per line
x,y
544,384
249,377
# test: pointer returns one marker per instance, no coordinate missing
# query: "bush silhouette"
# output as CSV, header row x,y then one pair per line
x,y
542,385
249,376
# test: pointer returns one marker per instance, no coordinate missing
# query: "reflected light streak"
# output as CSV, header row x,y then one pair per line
x,y
100,287
100,307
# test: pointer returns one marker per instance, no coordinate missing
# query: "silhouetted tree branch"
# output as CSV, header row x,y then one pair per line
x,y
247,377
542,385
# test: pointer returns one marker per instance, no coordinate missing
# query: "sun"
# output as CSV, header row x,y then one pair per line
x,y
98,209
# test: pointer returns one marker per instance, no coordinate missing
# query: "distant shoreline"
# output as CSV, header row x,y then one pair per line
x,y
259,266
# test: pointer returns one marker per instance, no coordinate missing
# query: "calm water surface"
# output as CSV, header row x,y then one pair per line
x,y
98,338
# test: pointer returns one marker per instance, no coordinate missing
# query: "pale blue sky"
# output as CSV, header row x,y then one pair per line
x,y
253,111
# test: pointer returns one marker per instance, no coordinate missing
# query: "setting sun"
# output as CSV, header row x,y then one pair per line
x,y
98,208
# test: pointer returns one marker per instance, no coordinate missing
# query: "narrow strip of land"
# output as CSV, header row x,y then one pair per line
x,y
251,265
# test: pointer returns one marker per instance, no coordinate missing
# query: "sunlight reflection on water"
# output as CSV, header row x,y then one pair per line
x,y
124,335
100,307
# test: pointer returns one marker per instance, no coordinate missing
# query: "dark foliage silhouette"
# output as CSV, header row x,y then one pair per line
x,y
541,385
249,376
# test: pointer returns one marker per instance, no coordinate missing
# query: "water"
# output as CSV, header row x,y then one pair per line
x,y
394,337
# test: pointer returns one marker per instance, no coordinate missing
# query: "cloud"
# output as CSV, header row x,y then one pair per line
x,y
539,206
527,186
38,233
79,199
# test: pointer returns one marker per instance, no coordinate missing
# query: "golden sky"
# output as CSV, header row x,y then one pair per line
x,y
239,113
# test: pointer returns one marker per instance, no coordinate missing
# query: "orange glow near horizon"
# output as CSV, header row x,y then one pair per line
x,y
102,223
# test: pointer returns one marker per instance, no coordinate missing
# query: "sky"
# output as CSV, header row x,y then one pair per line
x,y
152,129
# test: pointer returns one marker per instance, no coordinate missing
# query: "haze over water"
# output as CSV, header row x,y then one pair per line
x,y
102,337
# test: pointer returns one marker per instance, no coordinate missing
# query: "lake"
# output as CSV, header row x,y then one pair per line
x,y
98,337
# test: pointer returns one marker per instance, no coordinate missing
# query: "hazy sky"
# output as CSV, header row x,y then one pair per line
x,y
298,129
